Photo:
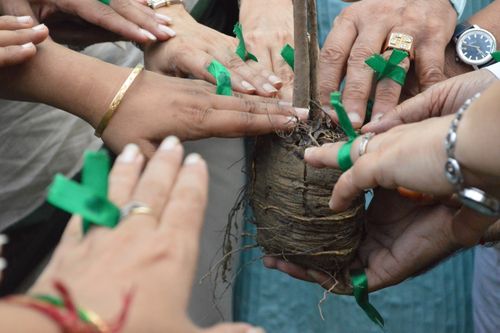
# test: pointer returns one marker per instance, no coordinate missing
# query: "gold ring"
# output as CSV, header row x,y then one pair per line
x,y
135,208
400,41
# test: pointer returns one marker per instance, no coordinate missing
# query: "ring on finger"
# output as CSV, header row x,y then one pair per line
x,y
363,145
400,41
135,208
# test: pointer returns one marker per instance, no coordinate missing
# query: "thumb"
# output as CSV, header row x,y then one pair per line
x,y
234,328
469,226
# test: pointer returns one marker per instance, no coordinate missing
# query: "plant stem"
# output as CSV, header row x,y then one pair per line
x,y
301,89
313,60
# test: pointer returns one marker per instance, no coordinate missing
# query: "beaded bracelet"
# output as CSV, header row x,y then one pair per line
x,y
115,103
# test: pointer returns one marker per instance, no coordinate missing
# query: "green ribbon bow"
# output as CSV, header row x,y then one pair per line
x,y
241,50
88,199
360,286
389,68
344,157
288,54
496,56
222,76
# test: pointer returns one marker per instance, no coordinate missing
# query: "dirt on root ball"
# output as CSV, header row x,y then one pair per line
x,y
290,203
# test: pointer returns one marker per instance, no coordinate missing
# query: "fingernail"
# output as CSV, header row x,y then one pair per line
x,y
129,154
149,35
256,330
28,45
247,85
354,117
308,152
23,19
39,27
164,18
330,203
3,239
313,274
377,118
285,104
292,119
169,143
274,79
269,88
169,31
3,264
302,112
192,159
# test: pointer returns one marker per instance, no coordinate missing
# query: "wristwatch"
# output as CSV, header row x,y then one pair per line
x,y
474,45
154,4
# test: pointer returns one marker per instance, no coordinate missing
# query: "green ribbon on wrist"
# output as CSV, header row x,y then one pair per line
x,y
496,56
106,2
344,158
89,199
389,68
241,50
360,291
222,76
288,54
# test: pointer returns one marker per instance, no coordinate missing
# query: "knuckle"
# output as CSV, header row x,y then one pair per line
x,y
234,62
430,74
357,89
333,55
359,55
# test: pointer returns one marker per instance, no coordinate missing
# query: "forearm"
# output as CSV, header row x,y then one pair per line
x,y
19,319
57,76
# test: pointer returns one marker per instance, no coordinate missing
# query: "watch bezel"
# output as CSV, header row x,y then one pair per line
x,y
464,58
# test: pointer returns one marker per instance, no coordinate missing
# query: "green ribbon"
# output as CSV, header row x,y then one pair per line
x,y
106,2
57,302
389,68
95,176
344,158
496,56
241,50
360,286
288,54
223,78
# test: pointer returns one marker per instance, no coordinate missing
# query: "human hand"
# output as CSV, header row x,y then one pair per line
x,y
441,99
193,49
18,37
153,256
128,18
268,27
361,30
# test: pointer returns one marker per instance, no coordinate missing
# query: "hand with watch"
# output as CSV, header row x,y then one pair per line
x,y
474,45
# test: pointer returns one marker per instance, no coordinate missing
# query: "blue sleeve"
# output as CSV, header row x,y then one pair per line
x,y
459,6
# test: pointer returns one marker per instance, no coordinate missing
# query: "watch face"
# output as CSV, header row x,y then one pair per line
x,y
475,46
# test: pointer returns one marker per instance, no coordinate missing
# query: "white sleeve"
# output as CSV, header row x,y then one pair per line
x,y
494,69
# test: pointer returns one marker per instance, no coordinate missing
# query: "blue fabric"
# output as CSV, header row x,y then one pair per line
x,y
474,6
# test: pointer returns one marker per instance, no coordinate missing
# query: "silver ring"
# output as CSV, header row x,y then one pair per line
x,y
363,145
135,208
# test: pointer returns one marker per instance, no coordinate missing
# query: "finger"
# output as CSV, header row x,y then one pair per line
x,y
125,175
324,280
18,8
15,22
387,91
13,55
359,76
160,18
73,233
294,270
157,181
33,35
469,226
334,55
144,18
233,328
230,124
259,67
429,66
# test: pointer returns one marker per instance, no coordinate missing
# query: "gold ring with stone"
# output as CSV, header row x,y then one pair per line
x,y
400,41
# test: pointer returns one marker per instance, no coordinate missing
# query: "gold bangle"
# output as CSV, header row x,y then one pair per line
x,y
115,103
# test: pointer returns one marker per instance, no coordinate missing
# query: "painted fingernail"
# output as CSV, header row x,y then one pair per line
x,y
28,45
169,143
3,239
169,31
164,18
247,86
129,154
303,113
274,79
39,27
256,330
285,104
269,88
23,19
147,34
192,159
3,264
354,118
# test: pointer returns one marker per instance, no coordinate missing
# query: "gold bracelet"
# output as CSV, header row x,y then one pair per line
x,y
115,103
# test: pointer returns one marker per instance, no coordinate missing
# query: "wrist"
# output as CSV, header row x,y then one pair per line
x,y
19,319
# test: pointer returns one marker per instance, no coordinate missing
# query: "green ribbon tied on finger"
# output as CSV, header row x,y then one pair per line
x,y
222,76
344,157
288,54
241,50
106,2
496,56
360,291
89,199
389,68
